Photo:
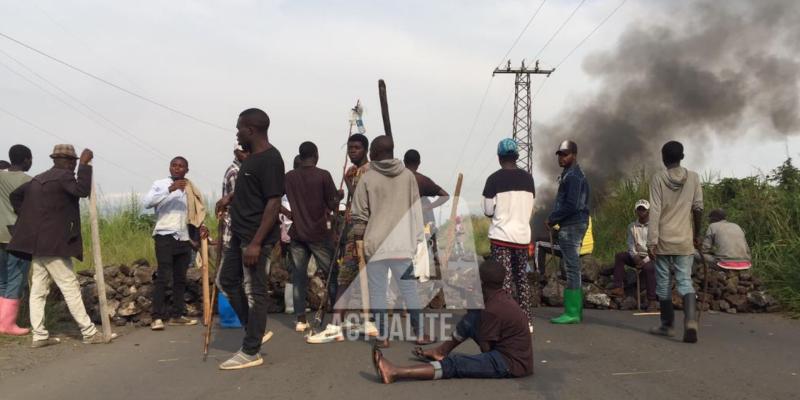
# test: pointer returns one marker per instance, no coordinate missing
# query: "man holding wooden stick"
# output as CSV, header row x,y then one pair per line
x,y
171,198
48,231
254,208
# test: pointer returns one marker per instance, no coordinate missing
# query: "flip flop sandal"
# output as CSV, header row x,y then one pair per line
x,y
417,353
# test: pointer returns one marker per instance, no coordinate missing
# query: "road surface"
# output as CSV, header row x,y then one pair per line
x,y
609,356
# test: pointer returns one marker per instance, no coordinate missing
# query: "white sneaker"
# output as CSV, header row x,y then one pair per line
x,y
369,329
351,326
301,326
530,327
267,336
332,333
157,325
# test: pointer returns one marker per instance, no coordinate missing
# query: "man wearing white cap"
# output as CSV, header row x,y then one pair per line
x,y
636,256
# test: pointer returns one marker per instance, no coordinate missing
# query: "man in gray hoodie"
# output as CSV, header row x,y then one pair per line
x,y
387,216
676,212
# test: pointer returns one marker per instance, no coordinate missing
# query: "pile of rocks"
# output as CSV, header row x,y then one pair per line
x,y
728,291
129,291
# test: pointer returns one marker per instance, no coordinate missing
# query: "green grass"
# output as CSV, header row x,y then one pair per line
x,y
766,207
125,234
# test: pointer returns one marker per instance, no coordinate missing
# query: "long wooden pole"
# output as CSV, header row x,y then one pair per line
x,y
98,265
451,228
362,279
387,125
206,287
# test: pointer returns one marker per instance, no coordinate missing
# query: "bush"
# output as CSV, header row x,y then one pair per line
x,y
766,207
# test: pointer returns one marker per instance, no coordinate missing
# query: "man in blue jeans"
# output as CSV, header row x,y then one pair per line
x,y
312,198
676,213
571,214
387,216
500,330
13,270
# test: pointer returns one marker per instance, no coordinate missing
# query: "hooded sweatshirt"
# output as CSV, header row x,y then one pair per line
x,y
386,211
674,194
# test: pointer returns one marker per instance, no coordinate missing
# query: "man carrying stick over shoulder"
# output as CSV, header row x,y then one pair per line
x,y
254,208
48,231
676,213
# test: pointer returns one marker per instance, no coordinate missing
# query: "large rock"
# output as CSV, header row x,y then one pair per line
x,y
738,301
590,269
553,293
143,274
761,299
595,297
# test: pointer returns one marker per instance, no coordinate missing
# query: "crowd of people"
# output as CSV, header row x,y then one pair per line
x,y
363,249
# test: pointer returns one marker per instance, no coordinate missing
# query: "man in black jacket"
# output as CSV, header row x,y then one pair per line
x,y
48,231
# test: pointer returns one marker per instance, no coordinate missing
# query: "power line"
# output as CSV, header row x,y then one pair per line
x,y
115,86
611,14
488,86
132,138
563,24
477,177
586,38
61,138
535,13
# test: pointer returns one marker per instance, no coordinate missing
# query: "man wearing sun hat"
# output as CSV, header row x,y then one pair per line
x,y
48,231
571,214
508,200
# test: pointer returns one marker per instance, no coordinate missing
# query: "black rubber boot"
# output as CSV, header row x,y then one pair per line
x,y
690,318
667,319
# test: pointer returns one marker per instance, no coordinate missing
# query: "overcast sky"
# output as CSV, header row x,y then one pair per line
x,y
305,63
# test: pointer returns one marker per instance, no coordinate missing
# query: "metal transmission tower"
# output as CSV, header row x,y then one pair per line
x,y
522,109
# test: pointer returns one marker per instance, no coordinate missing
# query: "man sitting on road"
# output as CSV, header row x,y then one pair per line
x,y
500,330
637,257
725,242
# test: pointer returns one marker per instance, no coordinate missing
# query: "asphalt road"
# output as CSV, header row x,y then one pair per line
x,y
609,356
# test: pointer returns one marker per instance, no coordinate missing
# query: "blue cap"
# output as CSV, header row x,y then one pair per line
x,y
507,147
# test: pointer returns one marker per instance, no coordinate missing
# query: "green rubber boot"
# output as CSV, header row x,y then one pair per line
x,y
573,307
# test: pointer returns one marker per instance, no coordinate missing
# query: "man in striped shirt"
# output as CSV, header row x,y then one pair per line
x,y
508,200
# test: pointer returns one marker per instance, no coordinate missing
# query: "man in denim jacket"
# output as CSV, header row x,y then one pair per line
x,y
571,214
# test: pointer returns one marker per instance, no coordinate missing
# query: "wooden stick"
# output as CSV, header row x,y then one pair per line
x,y
207,337
362,279
451,228
98,265
638,291
206,288
387,125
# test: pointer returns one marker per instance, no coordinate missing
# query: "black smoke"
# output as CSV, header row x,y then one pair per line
x,y
714,69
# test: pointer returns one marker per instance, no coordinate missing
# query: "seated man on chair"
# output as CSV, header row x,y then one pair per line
x,y
500,330
637,257
725,243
